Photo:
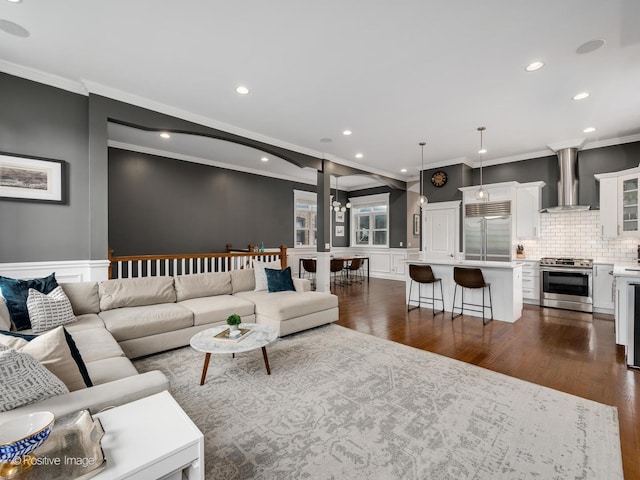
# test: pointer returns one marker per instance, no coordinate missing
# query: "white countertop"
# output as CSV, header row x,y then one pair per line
x,y
468,263
626,270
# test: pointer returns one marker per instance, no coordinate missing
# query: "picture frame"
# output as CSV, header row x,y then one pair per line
x,y
340,231
339,217
416,224
32,179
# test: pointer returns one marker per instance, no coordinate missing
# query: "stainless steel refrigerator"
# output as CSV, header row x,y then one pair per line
x,y
487,231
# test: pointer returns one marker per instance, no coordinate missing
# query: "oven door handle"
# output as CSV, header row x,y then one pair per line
x,y
585,271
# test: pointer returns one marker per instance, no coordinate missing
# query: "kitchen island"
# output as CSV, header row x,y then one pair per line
x,y
625,276
505,279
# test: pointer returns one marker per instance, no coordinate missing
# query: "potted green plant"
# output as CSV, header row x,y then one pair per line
x,y
233,321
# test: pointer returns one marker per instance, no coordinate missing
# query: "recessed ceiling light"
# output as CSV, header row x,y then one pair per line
x,y
533,66
264,159
347,132
359,155
404,170
242,90
589,130
165,135
15,1
580,96
326,140
482,151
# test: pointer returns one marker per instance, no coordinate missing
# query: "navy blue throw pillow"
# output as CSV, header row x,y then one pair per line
x,y
279,280
75,353
15,293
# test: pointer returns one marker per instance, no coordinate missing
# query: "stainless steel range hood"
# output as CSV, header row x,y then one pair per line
x,y
568,184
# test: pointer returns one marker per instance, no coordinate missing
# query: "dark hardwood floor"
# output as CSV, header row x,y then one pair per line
x,y
568,351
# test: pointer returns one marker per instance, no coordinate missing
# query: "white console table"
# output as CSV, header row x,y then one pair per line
x,y
151,439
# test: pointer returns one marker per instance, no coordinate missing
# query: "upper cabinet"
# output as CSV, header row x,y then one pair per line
x,y
619,206
528,205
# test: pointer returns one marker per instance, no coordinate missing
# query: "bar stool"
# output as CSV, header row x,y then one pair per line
x,y
470,278
423,274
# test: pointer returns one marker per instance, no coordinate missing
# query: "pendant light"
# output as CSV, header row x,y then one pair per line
x,y
422,200
482,195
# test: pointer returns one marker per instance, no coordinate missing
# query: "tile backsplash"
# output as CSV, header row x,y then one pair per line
x,y
578,235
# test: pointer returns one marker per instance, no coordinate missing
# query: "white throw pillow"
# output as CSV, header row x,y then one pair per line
x,y
47,311
261,275
23,380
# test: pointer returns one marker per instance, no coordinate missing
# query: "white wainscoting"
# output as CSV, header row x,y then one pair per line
x,y
387,263
67,271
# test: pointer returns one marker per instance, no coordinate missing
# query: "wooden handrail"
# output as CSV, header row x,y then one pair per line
x,y
200,262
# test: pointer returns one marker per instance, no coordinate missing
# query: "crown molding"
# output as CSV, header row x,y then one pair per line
x,y
612,141
205,161
43,77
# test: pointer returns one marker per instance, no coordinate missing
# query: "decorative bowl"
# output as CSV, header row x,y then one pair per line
x,y
22,435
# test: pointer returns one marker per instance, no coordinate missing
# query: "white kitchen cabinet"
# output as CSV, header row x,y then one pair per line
x,y
530,282
609,207
603,293
527,213
620,203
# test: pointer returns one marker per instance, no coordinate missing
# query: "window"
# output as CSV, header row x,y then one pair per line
x,y
305,217
370,221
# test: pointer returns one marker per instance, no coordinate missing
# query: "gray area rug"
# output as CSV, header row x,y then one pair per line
x,y
344,405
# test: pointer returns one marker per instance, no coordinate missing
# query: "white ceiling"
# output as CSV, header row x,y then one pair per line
x,y
395,73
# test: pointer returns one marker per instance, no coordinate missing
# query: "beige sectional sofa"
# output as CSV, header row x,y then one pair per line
x,y
118,320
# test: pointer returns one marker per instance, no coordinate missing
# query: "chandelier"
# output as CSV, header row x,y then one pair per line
x,y
337,206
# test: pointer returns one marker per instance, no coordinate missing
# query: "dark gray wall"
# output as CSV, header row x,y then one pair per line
x,y
48,122
457,176
160,205
590,162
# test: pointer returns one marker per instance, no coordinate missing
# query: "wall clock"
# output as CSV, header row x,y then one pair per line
x,y
439,179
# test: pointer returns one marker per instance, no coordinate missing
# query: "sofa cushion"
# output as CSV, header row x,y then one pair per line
x,y
279,280
243,280
135,322
85,322
136,292
57,351
5,318
110,369
202,285
15,293
50,310
24,380
286,305
217,309
96,344
260,274
83,296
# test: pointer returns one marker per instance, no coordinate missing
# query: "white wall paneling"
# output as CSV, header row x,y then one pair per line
x,y
68,271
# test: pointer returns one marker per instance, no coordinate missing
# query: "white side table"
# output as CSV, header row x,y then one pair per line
x,y
151,439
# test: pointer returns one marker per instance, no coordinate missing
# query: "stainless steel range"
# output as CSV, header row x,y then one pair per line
x,y
567,283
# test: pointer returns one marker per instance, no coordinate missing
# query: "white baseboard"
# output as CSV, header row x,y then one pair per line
x,y
67,271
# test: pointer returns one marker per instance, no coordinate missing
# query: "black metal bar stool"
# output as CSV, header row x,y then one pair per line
x,y
471,278
423,274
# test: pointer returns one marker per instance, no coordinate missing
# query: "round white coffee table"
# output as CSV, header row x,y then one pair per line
x,y
259,337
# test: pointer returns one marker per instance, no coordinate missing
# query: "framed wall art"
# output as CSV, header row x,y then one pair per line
x,y
416,224
339,217
32,179
339,231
